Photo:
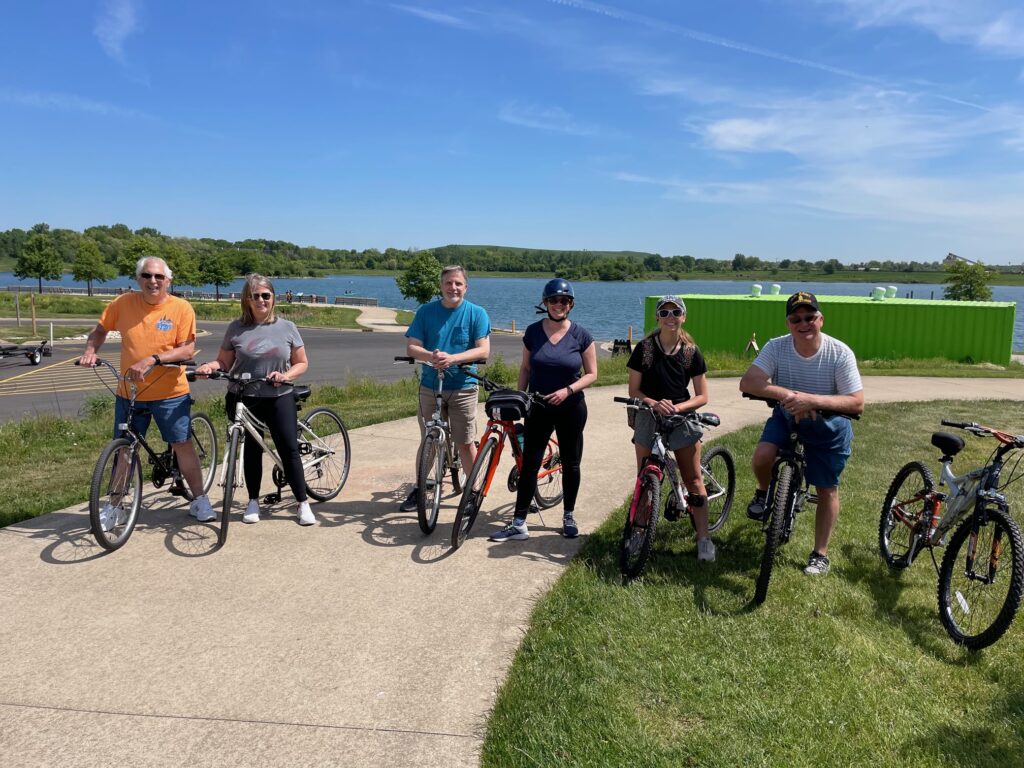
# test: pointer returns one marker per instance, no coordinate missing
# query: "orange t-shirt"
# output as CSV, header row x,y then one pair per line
x,y
150,329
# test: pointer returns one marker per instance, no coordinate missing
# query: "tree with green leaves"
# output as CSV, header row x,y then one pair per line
x,y
89,264
39,259
217,270
967,282
183,264
421,280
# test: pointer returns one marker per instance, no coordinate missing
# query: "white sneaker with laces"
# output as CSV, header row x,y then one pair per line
x,y
252,512
305,514
201,509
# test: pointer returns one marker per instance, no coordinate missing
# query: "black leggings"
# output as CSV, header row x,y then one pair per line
x,y
281,417
567,422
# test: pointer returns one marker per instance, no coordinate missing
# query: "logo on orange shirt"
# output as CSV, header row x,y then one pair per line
x,y
164,324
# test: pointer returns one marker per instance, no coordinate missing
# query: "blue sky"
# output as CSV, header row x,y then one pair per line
x,y
853,129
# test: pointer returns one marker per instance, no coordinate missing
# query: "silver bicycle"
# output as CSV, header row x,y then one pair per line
x,y
324,448
438,457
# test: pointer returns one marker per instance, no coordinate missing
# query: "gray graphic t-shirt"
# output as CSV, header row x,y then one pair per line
x,y
261,349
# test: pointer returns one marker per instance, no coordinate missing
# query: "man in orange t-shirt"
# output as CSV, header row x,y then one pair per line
x,y
155,328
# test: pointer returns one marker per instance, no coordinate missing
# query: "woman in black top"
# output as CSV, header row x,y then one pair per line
x,y
554,352
661,369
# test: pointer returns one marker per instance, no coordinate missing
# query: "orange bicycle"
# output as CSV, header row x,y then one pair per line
x,y
505,408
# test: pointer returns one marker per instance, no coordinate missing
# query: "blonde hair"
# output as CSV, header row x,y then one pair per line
x,y
252,282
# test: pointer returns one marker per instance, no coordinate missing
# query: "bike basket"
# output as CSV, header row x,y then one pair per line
x,y
507,405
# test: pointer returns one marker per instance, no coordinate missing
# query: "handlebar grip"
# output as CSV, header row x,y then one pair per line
x,y
710,419
179,363
958,424
768,400
404,359
627,400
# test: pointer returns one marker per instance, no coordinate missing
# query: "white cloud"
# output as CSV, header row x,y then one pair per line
x,y
436,17
118,20
996,26
554,119
68,103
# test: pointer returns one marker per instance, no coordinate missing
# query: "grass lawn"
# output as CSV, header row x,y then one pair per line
x,y
678,669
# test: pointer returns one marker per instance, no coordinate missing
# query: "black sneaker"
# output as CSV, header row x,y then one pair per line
x,y
755,509
569,528
412,502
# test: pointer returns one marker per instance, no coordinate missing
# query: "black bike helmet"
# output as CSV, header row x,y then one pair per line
x,y
557,287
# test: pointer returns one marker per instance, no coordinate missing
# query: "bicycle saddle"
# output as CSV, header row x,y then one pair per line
x,y
301,392
950,445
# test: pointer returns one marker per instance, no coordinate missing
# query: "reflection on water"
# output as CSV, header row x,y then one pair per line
x,y
607,310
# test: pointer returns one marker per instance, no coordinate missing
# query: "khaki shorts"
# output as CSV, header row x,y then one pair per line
x,y
458,409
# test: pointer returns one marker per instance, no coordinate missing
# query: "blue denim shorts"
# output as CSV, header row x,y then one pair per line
x,y
172,417
826,444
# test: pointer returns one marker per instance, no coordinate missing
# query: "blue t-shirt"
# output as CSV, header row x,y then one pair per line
x,y
451,331
555,366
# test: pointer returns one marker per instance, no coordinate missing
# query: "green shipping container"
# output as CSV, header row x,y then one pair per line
x,y
981,331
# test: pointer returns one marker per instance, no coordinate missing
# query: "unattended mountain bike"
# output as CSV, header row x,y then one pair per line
x,y
982,573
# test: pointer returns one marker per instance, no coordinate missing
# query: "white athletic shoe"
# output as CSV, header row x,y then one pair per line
x,y
252,512
305,514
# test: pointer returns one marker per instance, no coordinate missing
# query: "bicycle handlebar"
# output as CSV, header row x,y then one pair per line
x,y
704,419
772,403
162,364
982,431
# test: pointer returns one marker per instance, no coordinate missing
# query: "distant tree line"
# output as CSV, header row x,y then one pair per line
x,y
102,252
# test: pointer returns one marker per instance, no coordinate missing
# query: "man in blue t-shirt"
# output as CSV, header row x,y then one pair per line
x,y
444,333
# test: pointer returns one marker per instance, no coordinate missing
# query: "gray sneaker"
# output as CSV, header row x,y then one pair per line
x,y
411,502
817,565
517,530
706,550
755,509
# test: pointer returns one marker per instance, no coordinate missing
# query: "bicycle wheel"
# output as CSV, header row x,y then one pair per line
x,y
906,514
638,532
200,430
430,481
326,453
473,492
549,486
776,511
115,494
979,590
234,444
719,474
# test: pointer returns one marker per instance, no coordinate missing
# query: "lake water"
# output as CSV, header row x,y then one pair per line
x,y
607,310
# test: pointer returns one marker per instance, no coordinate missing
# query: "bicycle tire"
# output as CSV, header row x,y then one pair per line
x,y
322,435
430,482
971,615
779,503
102,489
639,531
549,488
906,514
204,438
234,439
719,474
473,492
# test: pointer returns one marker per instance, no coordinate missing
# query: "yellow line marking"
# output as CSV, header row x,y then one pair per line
x,y
37,370
47,391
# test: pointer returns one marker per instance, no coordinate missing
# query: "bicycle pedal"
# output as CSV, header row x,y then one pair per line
x,y
177,490
272,498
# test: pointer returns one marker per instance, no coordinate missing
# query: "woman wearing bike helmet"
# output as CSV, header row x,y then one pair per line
x,y
559,362
264,345
661,369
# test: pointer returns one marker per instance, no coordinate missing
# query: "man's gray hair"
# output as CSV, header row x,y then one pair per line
x,y
142,262
454,268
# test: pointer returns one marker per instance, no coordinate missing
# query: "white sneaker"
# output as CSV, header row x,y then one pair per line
x,y
201,509
706,550
108,517
305,514
252,512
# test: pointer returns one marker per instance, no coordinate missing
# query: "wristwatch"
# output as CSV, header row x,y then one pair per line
x,y
156,358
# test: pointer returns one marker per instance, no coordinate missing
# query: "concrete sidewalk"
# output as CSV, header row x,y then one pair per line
x,y
357,642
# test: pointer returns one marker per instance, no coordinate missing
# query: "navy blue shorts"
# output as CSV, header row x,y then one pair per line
x,y
826,444
172,417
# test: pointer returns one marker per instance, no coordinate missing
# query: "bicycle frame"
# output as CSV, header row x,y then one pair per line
x,y
506,431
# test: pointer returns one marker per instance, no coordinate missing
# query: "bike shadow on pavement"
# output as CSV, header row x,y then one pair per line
x,y
70,539
918,620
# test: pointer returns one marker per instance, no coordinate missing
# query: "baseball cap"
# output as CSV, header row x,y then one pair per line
x,y
670,300
801,299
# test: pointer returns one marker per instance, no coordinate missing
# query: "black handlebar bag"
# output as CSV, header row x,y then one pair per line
x,y
507,405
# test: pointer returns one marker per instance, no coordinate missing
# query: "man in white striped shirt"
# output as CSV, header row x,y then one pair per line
x,y
806,371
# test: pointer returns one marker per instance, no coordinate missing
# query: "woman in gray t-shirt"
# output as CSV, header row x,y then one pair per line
x,y
265,346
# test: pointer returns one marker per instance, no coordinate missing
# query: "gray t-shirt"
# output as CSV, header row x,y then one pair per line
x,y
261,349
832,370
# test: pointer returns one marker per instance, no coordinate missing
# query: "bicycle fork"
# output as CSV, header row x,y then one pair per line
x,y
648,469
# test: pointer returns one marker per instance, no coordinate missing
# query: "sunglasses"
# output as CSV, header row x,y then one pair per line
x,y
266,296
800,319
152,276
560,300
672,312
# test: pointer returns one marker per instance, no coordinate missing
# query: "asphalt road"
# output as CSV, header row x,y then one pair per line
x,y
57,386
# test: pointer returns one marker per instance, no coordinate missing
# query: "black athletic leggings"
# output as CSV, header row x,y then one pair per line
x,y
567,422
281,417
